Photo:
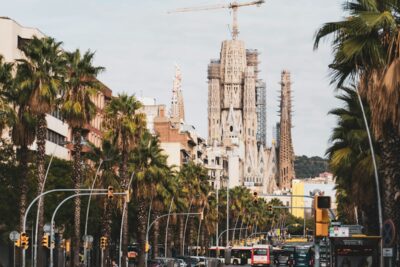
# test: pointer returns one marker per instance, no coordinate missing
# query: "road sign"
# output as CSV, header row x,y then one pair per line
x,y
88,238
14,236
388,233
387,252
337,231
47,228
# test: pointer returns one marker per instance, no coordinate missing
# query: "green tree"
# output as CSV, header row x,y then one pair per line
x,y
124,125
78,109
39,76
7,113
351,162
149,166
365,47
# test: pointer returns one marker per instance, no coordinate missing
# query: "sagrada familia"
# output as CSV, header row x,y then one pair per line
x,y
237,151
237,121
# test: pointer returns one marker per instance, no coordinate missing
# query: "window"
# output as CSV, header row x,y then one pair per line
x,y
54,137
22,42
56,114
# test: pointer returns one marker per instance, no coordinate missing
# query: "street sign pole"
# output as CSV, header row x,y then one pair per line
x,y
14,236
317,253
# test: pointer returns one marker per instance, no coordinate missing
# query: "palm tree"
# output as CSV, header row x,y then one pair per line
x,y
7,114
149,166
39,77
77,108
124,125
194,183
350,160
365,47
107,156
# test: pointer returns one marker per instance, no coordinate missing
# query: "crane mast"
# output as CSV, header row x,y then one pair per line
x,y
234,6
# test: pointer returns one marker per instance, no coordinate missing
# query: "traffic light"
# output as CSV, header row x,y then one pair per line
x,y
110,193
17,243
24,241
321,206
202,216
270,210
45,241
67,246
103,242
147,247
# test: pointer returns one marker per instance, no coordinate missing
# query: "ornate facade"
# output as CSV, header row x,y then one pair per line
x,y
232,112
177,112
286,153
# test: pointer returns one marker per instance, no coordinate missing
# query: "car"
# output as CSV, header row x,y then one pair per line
x,y
284,258
199,261
181,262
156,263
190,261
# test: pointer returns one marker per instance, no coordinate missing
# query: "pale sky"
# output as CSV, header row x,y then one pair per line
x,y
139,43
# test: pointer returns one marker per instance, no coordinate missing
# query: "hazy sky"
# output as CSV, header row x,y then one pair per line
x,y
139,43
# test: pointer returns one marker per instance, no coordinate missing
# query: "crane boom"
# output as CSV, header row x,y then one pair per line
x,y
234,6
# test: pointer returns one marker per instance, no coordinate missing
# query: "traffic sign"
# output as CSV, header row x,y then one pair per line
x,y
387,252
88,238
388,233
47,228
337,231
14,236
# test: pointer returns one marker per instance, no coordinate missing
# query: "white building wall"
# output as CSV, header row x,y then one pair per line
x,y
10,30
173,151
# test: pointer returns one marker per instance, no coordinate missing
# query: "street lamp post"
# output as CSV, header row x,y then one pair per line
x,y
35,247
162,216
55,212
88,208
166,231
229,230
35,200
184,231
122,220
198,233
378,194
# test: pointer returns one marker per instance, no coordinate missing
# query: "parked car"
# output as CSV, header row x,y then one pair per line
x,y
284,258
199,261
156,263
182,262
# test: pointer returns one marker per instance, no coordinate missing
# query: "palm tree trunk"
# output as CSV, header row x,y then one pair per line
x,y
23,162
106,228
77,174
181,227
156,233
41,161
124,177
390,162
141,231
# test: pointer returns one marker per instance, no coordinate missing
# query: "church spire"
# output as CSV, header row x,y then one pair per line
x,y
177,107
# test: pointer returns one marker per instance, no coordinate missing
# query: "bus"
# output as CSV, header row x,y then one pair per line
x,y
240,255
261,255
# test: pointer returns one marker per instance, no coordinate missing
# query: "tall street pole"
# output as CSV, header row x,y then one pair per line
x,y
166,231
378,194
87,211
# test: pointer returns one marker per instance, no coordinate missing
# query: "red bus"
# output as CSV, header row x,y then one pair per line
x,y
261,255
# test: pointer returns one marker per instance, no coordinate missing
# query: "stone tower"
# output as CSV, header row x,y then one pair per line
x,y
286,153
232,114
177,112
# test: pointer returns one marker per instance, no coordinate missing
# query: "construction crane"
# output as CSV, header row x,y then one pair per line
x,y
234,6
